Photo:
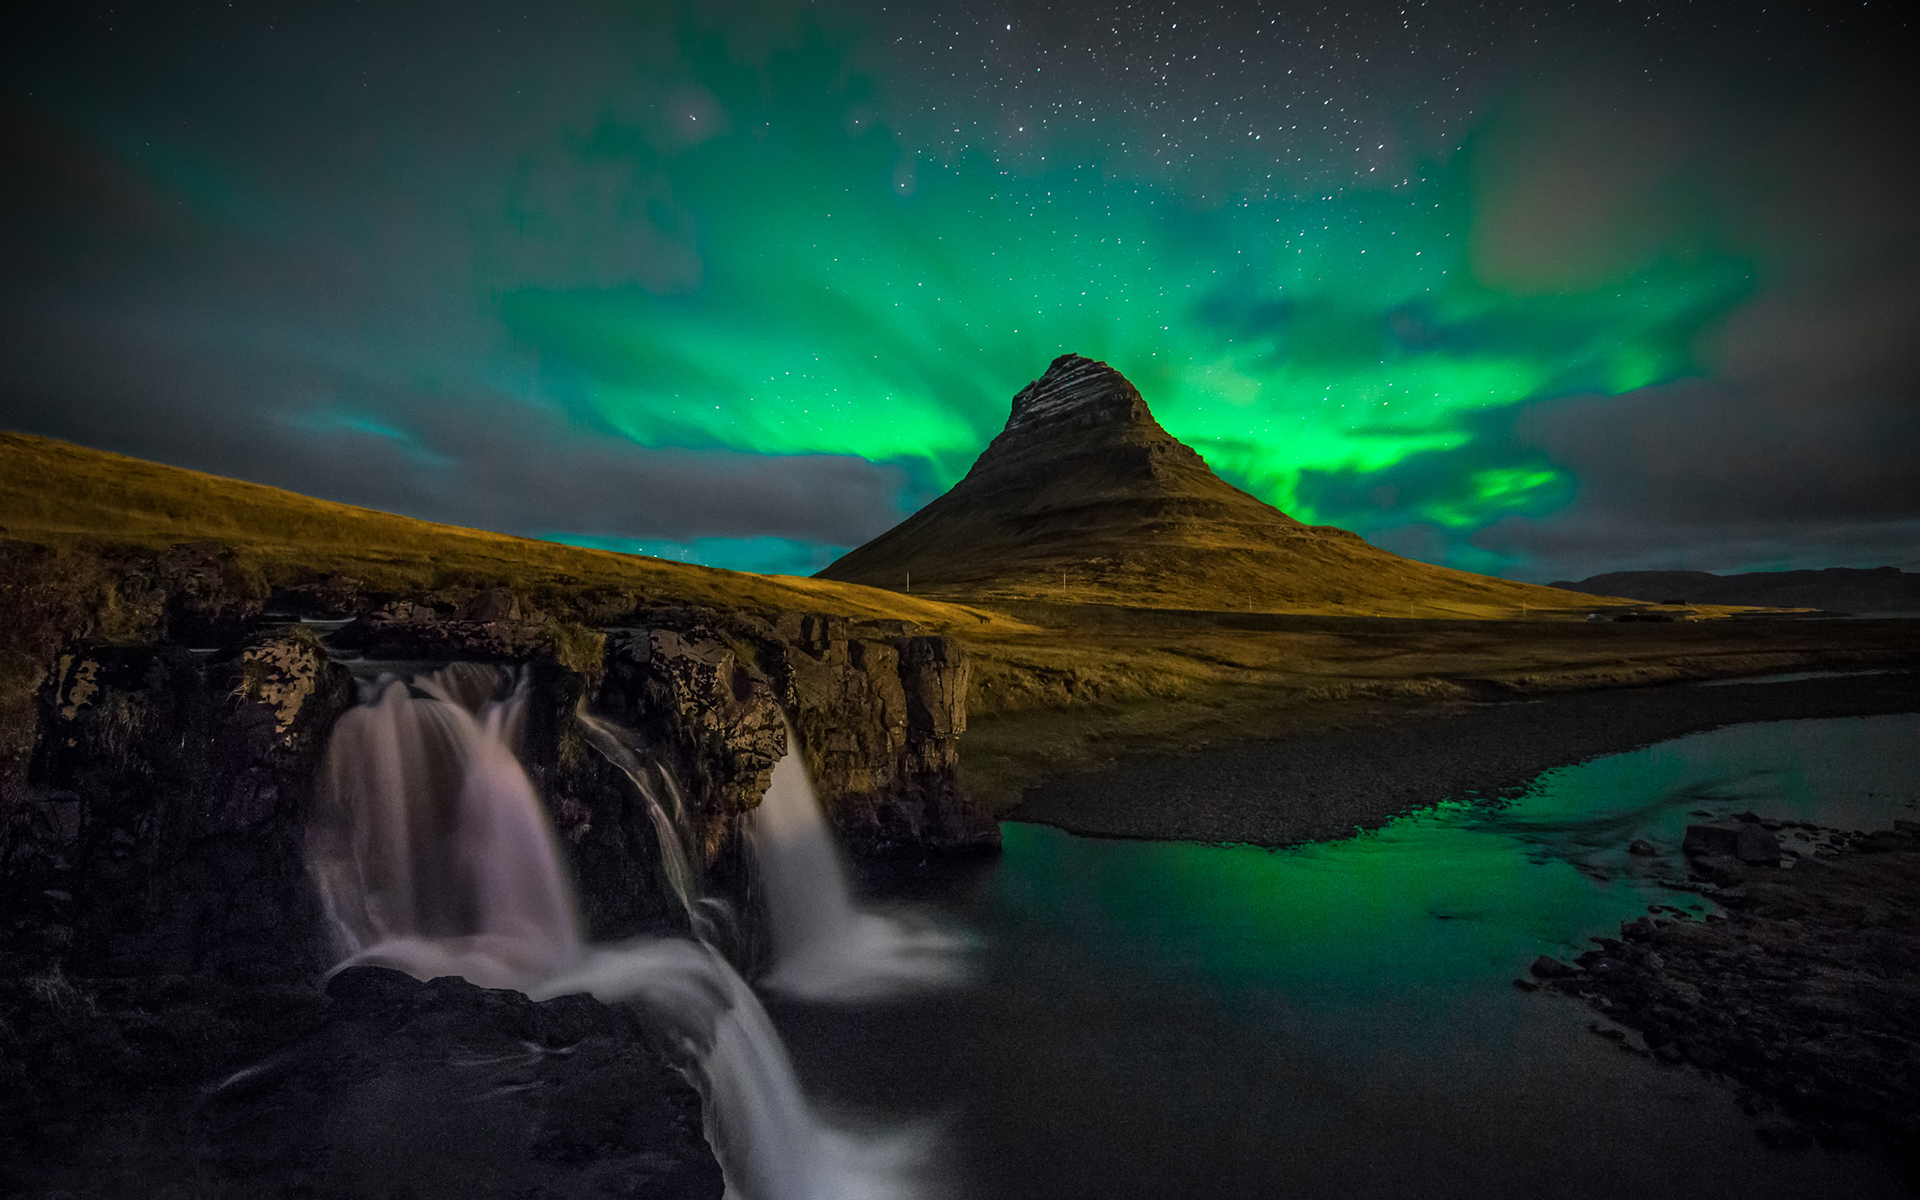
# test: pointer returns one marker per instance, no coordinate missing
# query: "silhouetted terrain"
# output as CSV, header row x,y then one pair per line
x,y
1842,589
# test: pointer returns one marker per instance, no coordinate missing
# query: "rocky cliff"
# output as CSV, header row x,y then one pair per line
x,y
163,715
158,745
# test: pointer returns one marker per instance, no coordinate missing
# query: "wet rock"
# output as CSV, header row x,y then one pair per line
x,y
385,1086
1710,840
1642,848
1803,993
1551,968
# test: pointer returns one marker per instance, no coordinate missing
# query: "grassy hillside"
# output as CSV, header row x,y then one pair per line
x,y
58,493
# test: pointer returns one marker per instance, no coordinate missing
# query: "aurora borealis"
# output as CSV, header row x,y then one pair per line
x,y
1540,293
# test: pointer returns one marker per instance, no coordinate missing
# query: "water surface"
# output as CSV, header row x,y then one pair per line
x,y
1167,1019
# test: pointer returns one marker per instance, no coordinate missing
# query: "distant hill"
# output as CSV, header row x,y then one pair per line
x,y
1839,589
1084,497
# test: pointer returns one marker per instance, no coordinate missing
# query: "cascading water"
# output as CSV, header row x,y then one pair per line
x,y
710,917
434,856
825,946
430,848
769,1143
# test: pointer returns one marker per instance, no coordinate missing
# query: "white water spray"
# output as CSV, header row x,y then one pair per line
x,y
826,947
769,1143
434,856
432,852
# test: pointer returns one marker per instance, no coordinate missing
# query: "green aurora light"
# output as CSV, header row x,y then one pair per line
x,y
853,298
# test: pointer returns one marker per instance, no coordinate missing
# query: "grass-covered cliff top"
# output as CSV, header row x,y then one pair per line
x,y
57,493
1061,681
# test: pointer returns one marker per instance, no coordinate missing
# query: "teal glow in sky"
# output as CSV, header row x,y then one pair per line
x,y
748,286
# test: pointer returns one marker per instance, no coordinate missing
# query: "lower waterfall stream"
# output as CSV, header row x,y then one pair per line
x,y
434,856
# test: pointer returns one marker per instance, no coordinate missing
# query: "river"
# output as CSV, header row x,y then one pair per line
x,y
1161,1019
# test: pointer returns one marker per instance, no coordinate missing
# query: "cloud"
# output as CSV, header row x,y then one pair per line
x,y
465,457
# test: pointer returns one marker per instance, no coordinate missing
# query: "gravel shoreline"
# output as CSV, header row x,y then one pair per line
x,y
1328,785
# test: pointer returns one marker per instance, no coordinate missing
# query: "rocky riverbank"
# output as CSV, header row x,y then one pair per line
x,y
1804,995
1328,784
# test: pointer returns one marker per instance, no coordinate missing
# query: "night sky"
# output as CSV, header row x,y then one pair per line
x,y
1537,290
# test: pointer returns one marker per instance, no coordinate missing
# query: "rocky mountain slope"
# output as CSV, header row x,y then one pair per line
x,y
1084,497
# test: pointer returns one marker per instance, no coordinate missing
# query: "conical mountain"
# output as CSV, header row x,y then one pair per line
x,y
1084,497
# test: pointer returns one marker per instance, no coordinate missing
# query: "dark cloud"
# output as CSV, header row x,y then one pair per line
x,y
478,459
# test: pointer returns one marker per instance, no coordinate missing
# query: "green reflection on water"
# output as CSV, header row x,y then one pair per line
x,y
1464,895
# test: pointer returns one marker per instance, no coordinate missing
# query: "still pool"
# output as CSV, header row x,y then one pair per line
x,y
1170,1020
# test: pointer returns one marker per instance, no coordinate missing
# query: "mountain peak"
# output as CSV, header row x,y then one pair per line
x,y
1075,387
1084,495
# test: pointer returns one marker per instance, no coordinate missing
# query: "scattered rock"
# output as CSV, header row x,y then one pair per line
x,y
1551,968
1643,848
1805,993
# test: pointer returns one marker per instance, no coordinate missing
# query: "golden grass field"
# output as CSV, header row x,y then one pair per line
x,y
1062,680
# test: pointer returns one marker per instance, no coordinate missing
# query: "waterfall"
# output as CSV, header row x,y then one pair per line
x,y
711,917
770,1144
430,848
826,947
434,855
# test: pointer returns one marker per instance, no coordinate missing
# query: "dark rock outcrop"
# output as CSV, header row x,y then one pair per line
x,y
877,718
156,803
384,1086
1743,840
1806,995
161,830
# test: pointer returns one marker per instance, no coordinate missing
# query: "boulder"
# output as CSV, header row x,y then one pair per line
x,y
1709,839
384,1086
1746,841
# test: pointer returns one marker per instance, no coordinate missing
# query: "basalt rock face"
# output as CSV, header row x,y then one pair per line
x,y
878,719
155,812
154,796
161,829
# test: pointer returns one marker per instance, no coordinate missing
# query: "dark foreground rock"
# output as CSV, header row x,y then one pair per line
x,y
384,1086
1328,785
1806,995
